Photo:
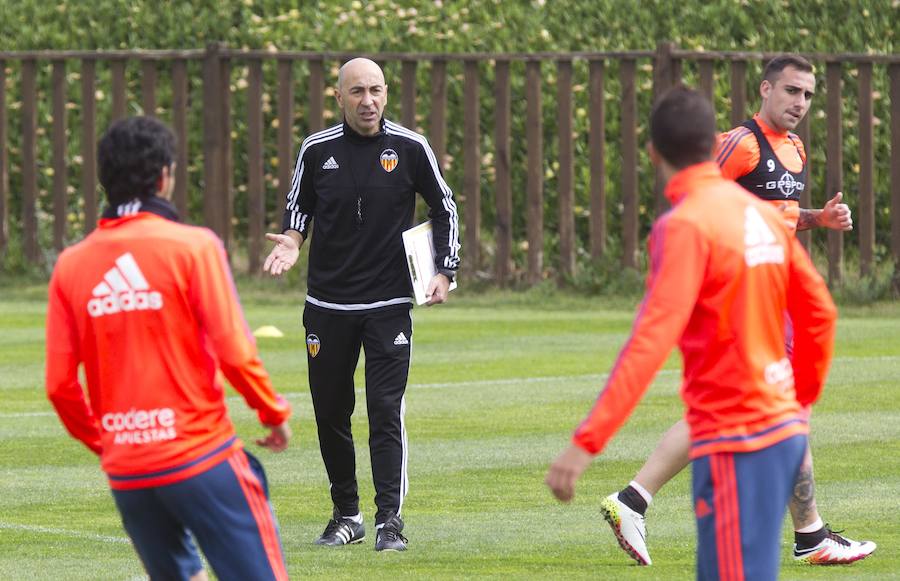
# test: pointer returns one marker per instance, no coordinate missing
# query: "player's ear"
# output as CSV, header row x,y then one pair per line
x,y
765,89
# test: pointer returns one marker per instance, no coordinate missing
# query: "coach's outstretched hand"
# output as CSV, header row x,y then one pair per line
x,y
278,438
566,470
284,255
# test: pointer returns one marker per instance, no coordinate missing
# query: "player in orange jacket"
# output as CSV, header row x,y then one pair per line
x,y
148,307
724,271
767,159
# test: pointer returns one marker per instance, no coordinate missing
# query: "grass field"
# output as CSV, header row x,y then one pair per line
x,y
498,383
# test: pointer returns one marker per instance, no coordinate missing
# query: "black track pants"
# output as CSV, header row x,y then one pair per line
x,y
333,341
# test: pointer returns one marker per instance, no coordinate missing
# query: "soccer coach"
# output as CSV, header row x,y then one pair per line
x,y
359,180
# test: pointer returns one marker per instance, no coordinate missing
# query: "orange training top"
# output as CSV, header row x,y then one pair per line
x,y
724,269
149,308
738,154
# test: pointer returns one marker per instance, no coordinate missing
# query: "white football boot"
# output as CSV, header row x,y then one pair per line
x,y
834,550
628,526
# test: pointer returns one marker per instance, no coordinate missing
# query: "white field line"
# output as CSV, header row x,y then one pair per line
x,y
65,533
475,383
414,386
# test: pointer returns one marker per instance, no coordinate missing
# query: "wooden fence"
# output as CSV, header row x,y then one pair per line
x,y
216,62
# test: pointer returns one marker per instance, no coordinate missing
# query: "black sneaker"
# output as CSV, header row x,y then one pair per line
x,y
342,531
388,537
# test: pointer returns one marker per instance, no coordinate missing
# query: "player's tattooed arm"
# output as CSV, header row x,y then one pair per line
x,y
808,219
835,216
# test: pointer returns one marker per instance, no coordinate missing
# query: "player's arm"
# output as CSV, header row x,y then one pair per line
x,y
297,217
677,270
813,315
444,222
834,216
215,299
63,388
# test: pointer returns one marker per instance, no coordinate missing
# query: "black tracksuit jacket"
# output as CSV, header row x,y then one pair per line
x,y
361,191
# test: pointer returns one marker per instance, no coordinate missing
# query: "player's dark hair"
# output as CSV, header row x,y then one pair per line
x,y
683,127
131,156
776,65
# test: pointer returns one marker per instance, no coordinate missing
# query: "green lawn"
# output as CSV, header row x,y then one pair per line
x,y
498,383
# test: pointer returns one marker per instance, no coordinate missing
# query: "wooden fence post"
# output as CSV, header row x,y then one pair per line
x,y
834,172
60,206
866,168
29,161
89,143
212,139
596,145
256,193
738,92
630,230
566,175
663,77
472,166
316,96
534,138
117,72
226,206
408,99
438,125
503,179
286,151
4,164
707,80
179,124
148,87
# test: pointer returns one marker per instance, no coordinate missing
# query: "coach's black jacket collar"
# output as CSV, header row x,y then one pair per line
x,y
351,133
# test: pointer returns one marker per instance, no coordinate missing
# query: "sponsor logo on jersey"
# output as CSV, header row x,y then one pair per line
x,y
389,160
123,289
761,246
140,426
786,185
330,164
313,345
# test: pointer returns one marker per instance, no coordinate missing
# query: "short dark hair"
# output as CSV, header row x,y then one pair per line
x,y
781,62
131,156
683,127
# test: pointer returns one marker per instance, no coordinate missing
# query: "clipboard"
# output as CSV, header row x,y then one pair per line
x,y
418,244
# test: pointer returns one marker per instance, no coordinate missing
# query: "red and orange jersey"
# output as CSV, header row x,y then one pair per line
x,y
149,308
738,154
724,270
